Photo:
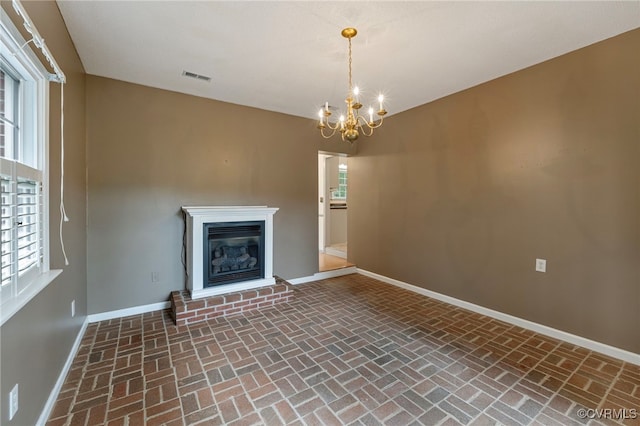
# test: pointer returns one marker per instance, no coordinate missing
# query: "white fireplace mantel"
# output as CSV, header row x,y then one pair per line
x,y
197,217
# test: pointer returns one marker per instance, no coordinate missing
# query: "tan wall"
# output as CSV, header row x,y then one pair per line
x,y
36,341
152,151
336,219
461,195
338,228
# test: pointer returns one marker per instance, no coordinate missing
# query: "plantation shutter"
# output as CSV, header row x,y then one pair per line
x,y
8,208
29,234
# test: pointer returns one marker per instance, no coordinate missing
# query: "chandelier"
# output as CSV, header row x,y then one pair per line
x,y
353,123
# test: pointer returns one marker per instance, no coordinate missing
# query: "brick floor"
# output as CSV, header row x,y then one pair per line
x,y
347,350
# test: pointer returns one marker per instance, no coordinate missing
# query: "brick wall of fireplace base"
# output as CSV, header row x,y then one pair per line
x,y
185,311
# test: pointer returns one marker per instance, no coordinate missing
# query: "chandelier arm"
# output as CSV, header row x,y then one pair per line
x,y
330,135
335,127
363,126
363,122
364,131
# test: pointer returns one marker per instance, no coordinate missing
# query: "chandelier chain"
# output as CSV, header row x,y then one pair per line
x,y
350,82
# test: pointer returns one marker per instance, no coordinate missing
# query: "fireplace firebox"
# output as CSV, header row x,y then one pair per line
x,y
234,252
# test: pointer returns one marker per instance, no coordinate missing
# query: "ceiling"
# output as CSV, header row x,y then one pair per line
x,y
289,56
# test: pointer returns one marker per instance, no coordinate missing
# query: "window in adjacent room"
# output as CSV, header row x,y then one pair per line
x,y
341,192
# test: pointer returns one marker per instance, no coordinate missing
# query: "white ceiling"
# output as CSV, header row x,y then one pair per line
x,y
289,56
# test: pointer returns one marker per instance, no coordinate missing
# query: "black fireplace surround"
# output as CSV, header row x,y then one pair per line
x,y
233,252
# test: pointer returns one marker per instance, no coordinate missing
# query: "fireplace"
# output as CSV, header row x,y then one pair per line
x,y
234,252
228,249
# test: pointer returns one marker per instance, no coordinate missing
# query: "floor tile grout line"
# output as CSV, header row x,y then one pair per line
x,y
524,376
530,368
445,343
213,397
385,316
182,414
495,363
501,359
557,392
610,388
557,344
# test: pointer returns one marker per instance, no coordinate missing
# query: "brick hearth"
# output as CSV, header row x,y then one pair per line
x,y
185,310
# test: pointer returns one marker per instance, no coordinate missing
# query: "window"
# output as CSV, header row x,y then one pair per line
x,y
341,192
23,161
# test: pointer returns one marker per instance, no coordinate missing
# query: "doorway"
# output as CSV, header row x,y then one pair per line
x,y
333,203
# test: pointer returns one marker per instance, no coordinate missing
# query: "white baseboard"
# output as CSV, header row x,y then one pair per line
x,y
603,348
128,311
324,275
53,396
333,252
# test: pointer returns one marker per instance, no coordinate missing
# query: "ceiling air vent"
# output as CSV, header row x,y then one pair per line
x,y
196,76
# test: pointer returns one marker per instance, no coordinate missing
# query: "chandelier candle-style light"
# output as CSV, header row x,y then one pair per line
x,y
351,125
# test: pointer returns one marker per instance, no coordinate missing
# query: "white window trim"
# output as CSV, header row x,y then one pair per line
x,y
12,38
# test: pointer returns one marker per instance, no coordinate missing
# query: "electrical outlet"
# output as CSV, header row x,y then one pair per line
x,y
155,276
13,402
541,265
73,308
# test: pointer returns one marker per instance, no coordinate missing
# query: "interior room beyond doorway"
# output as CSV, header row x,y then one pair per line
x,y
332,211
